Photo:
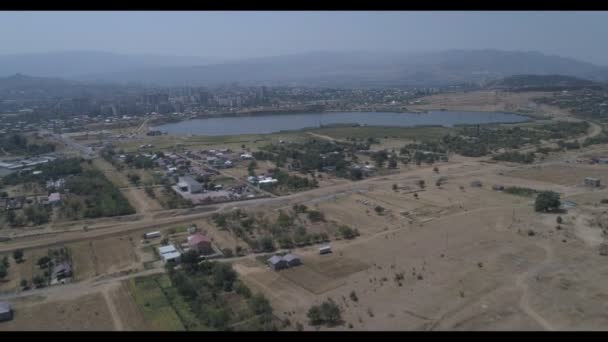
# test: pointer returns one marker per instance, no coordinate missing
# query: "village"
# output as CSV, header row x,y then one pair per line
x,y
383,230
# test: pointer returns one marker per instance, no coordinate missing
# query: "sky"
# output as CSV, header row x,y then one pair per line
x,y
580,35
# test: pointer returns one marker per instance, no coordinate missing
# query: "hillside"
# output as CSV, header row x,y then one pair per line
x,y
367,69
77,63
543,83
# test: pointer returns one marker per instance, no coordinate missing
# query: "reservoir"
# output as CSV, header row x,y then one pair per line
x,y
262,124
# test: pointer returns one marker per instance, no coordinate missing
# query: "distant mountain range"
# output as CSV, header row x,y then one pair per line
x,y
74,64
331,69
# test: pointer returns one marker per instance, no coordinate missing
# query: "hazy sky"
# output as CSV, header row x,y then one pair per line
x,y
245,34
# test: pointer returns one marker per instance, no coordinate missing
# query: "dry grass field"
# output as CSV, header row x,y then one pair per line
x,y
88,313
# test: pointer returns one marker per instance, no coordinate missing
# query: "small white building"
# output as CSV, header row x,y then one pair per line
x,y
325,249
169,253
152,235
54,198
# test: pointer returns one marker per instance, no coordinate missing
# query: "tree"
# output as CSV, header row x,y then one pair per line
x,y
149,191
395,187
547,201
251,167
436,169
3,272
267,244
260,305
38,281
353,296
18,255
228,252
328,313
23,283
421,183
559,220
379,210
134,178
316,216
392,163
356,174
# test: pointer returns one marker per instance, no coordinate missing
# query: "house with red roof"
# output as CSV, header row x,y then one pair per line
x,y
200,243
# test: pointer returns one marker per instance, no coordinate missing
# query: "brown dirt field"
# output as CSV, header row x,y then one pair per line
x,y
128,312
141,201
89,312
27,270
311,280
118,178
569,175
114,254
97,257
82,260
487,101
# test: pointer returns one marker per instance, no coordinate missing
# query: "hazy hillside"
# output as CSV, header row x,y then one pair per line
x,y
28,87
78,63
368,69
331,69
543,82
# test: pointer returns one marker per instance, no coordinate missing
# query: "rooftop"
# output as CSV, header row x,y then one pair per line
x,y
290,257
5,307
275,259
167,249
197,238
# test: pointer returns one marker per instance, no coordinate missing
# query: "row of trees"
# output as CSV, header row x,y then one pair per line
x,y
98,196
204,286
16,143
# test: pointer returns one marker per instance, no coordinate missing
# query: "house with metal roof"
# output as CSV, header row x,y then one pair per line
x,y
188,184
277,263
292,260
6,312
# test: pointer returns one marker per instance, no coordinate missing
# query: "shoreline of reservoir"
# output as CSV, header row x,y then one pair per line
x,y
280,122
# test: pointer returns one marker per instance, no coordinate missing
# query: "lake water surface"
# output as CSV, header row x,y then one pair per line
x,y
262,124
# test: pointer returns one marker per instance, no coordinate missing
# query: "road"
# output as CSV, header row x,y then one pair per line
x,y
158,222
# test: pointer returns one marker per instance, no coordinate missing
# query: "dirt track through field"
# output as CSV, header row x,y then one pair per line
x,y
113,312
521,282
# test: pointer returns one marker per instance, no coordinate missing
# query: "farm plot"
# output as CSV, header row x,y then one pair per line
x,y
89,312
568,175
104,256
310,279
154,305
27,269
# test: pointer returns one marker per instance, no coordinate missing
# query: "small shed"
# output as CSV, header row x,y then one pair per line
x,y
476,184
498,187
6,312
171,257
152,235
62,270
325,249
592,182
166,249
292,260
277,263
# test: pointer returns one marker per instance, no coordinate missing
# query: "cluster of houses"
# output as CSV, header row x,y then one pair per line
x,y
25,163
219,159
196,241
19,202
